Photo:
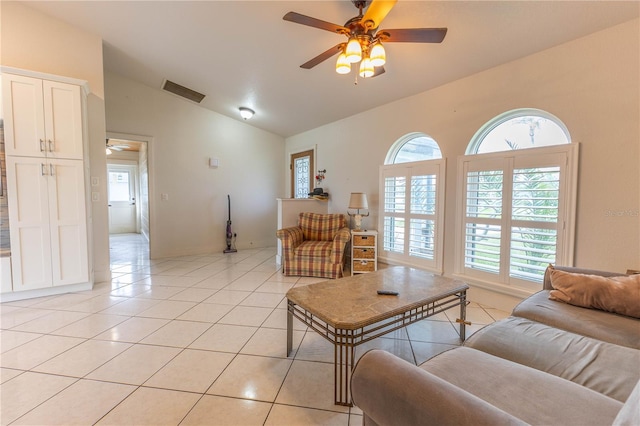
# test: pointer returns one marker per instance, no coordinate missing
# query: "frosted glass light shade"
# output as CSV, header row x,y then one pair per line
x,y
366,68
378,55
353,51
342,65
246,113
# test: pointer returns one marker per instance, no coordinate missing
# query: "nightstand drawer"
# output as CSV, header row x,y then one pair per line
x,y
364,240
364,266
363,253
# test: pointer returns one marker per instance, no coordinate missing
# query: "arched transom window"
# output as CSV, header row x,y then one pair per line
x,y
413,147
519,129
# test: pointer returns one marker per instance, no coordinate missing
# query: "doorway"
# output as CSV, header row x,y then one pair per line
x,y
123,192
128,185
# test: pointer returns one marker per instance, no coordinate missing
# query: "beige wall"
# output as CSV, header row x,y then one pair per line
x,y
36,42
184,137
591,84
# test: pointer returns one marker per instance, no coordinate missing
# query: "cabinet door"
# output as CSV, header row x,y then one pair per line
x,y
27,181
62,120
22,99
43,118
68,222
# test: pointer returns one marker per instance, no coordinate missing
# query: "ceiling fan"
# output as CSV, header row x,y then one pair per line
x,y
364,42
115,147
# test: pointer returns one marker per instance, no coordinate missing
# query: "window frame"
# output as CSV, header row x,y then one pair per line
x,y
435,167
311,153
566,157
481,134
400,143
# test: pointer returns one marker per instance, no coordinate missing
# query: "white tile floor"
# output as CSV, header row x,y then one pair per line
x,y
190,340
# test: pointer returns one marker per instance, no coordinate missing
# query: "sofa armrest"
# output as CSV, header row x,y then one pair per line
x,y
390,391
340,240
291,237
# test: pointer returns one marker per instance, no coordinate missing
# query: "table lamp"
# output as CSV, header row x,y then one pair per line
x,y
358,201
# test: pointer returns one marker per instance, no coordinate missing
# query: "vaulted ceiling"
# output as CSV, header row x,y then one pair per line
x,y
242,53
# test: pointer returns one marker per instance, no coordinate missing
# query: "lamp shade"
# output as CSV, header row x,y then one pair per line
x,y
353,50
358,200
378,56
366,68
342,65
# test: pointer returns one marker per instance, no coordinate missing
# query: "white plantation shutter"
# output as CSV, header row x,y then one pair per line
x,y
411,221
483,220
514,216
394,204
534,224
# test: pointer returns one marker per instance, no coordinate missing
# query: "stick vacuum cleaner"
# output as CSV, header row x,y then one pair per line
x,y
230,235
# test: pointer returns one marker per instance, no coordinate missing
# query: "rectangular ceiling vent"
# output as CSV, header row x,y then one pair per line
x,y
182,91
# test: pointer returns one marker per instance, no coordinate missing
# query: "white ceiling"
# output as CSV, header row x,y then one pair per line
x,y
241,53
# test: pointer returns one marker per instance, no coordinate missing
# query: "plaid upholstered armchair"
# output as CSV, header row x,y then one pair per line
x,y
316,247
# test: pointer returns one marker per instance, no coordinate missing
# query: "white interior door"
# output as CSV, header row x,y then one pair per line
x,y
122,199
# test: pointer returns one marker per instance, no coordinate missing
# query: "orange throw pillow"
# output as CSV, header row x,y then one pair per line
x,y
620,295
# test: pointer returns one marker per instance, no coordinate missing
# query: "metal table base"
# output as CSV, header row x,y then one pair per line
x,y
346,340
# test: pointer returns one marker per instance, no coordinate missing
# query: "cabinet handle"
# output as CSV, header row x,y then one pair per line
x,y
50,145
43,171
51,169
41,145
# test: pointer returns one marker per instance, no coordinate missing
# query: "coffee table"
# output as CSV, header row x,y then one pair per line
x,y
348,311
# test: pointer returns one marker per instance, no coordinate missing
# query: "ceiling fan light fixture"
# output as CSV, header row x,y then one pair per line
x,y
246,113
366,68
342,65
378,55
353,50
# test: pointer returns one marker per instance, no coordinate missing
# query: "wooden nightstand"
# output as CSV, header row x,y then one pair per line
x,y
364,251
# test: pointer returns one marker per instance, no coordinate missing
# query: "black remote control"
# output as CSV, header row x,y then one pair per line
x,y
388,292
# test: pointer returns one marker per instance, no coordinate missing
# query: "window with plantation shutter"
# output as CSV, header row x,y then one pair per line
x,y
516,213
394,202
411,221
483,220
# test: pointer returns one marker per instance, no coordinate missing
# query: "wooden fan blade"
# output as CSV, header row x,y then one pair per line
x,y
413,35
323,56
376,12
313,22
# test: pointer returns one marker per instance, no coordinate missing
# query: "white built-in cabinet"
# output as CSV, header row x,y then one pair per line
x,y
43,118
44,140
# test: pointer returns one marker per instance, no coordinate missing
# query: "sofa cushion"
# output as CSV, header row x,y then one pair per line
x,y
604,367
314,249
319,226
605,326
620,295
531,395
